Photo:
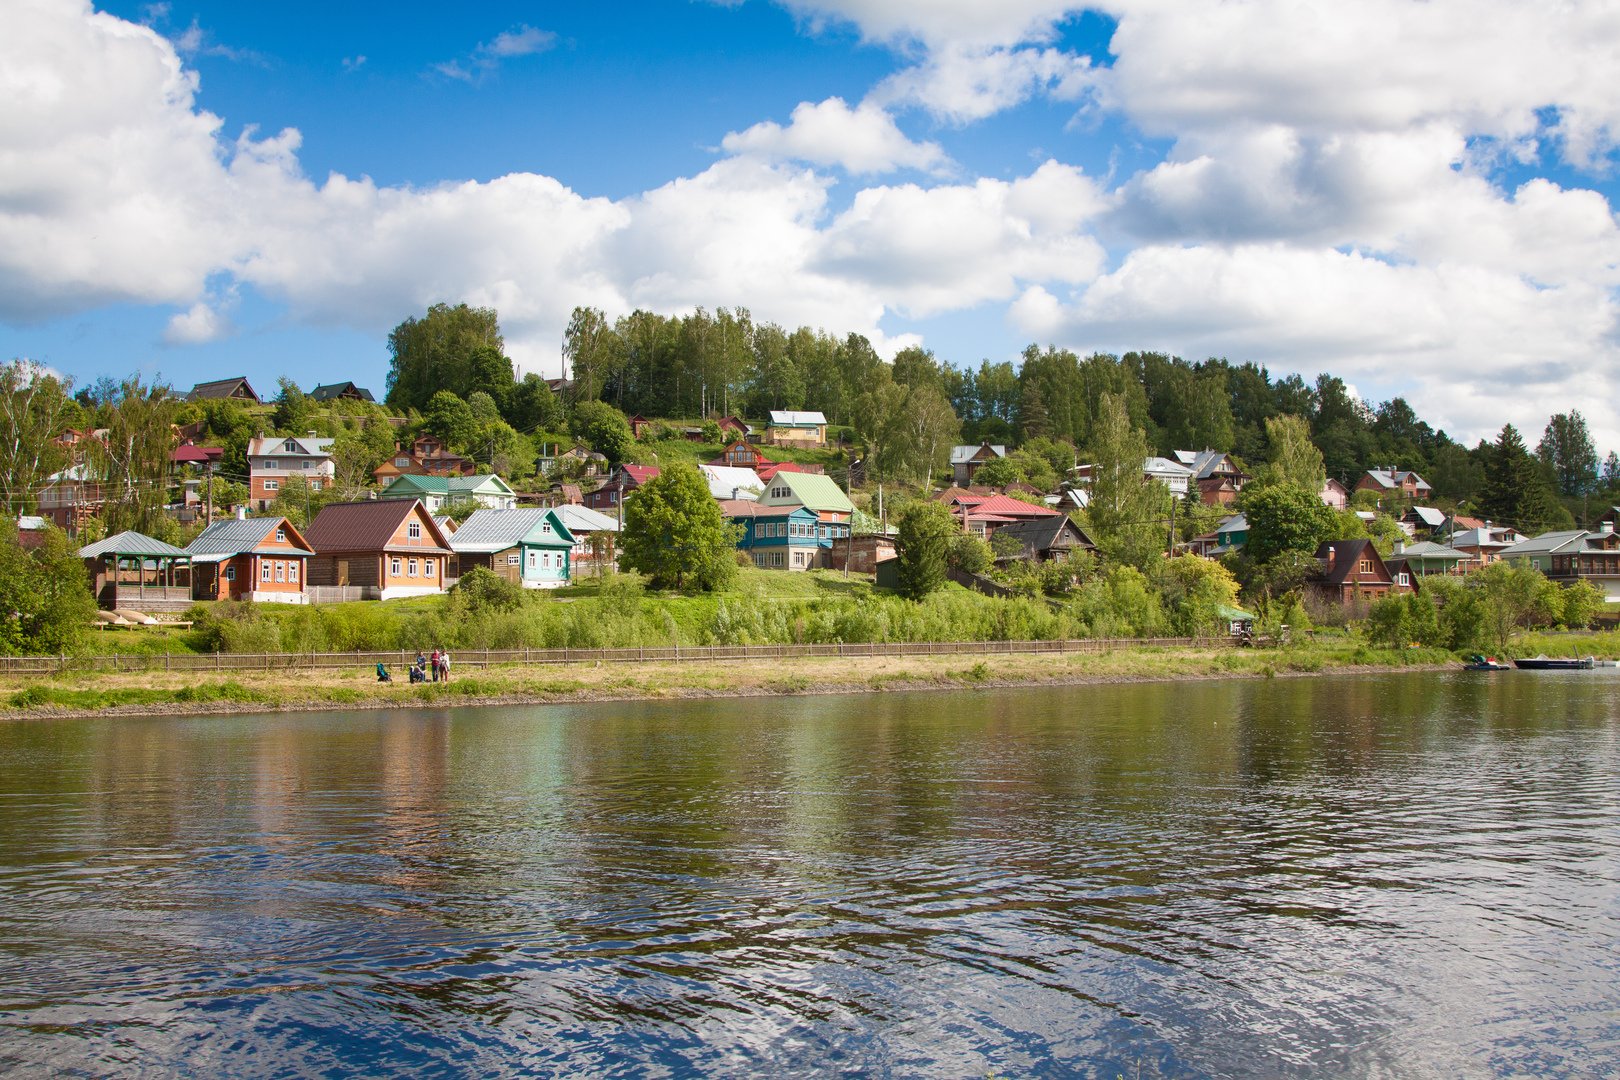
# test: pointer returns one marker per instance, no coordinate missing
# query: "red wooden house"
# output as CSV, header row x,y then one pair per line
x,y
1353,572
260,558
383,547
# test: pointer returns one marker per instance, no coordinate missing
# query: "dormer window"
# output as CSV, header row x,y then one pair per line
x,y
281,536
414,530
1365,567
290,447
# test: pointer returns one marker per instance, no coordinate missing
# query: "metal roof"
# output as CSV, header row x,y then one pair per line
x,y
789,418
496,530
130,543
301,446
1546,543
447,485
577,519
234,536
813,490
366,526
961,455
731,482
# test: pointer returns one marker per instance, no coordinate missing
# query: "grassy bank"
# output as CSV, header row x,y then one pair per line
x,y
160,692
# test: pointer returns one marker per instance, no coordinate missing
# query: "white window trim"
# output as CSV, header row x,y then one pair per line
x,y
394,566
410,568
292,571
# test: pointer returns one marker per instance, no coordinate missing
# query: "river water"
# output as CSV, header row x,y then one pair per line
x,y
1380,875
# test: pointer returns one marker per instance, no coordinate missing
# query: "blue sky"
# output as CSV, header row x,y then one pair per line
x,y
1417,196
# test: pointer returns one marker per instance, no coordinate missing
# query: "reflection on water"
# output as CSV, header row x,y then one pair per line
x,y
1380,875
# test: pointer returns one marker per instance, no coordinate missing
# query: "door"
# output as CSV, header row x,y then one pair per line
x,y
343,571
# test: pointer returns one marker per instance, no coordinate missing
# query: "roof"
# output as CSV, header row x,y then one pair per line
x,y
487,530
190,454
640,474
1347,553
400,486
78,473
29,522
747,508
814,490
300,446
1427,550
233,536
1235,523
130,543
961,455
365,526
1201,462
789,418
1428,515
979,506
221,388
1392,478
1547,543
1159,466
730,481
577,519
335,390
1484,537
1038,534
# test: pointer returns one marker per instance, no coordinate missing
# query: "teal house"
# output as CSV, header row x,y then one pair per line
x,y
440,492
777,537
529,546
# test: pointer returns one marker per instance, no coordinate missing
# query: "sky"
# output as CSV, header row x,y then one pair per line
x,y
1414,195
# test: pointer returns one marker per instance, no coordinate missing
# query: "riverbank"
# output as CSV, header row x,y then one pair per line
x,y
152,693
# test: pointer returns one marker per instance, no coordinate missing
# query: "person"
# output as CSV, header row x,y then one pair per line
x,y
382,673
435,665
444,664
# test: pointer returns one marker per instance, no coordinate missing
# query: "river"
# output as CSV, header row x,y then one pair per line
x,y
1376,875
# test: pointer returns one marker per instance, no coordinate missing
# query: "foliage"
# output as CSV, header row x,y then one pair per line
x,y
926,532
1120,603
1284,518
1127,515
1401,619
1566,450
1513,597
133,460
605,429
458,349
1516,490
34,409
970,554
45,599
1291,456
675,534
481,589
1578,604
1194,590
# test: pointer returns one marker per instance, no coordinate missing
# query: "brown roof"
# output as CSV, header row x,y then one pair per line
x,y
1346,554
366,526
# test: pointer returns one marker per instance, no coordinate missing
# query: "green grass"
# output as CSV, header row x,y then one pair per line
x,y
42,696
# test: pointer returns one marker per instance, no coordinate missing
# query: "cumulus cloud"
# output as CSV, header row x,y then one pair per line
x,y
940,22
966,84
864,139
201,323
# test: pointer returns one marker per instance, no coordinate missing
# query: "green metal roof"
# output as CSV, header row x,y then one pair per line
x,y
814,490
131,543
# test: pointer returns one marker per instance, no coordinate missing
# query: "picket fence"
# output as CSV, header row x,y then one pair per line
x,y
465,658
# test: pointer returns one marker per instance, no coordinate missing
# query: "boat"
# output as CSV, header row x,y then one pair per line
x,y
1480,662
1556,663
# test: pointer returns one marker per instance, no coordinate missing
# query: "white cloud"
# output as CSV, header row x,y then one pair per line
x,y
487,56
940,22
966,84
860,140
198,325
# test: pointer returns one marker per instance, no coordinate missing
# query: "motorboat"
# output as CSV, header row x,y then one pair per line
x,y
1481,662
1556,663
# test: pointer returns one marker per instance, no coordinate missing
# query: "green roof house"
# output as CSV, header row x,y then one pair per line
x,y
438,492
814,492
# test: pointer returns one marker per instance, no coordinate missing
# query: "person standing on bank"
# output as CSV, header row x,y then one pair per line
x,y
434,661
444,664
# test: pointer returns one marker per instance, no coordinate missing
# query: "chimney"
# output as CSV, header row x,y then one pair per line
x,y
1400,546
241,513
1333,556
1605,527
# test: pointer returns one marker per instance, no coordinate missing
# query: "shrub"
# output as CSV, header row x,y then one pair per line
x,y
481,589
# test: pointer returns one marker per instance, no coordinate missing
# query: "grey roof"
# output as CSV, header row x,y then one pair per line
x,y
1427,550
488,530
1201,462
130,543
333,390
961,455
1039,534
732,482
1390,478
790,418
305,446
30,522
583,519
234,536
1161,466
1547,543
1235,523
1429,516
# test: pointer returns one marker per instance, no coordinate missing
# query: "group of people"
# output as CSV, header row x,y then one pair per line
x,y
438,664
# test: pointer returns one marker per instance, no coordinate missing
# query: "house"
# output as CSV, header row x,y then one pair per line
x,y
860,553
236,388
382,548
1045,539
781,537
1424,559
596,538
983,514
732,427
732,482
1229,536
190,454
742,455
1351,572
1172,474
1215,475
250,558
767,470
1424,519
343,391
272,462
1334,495
529,546
639,424
133,570
71,497
586,460
620,486
790,428
1397,483
966,460
1485,543
1572,555
446,524
427,456
31,531
439,492
832,507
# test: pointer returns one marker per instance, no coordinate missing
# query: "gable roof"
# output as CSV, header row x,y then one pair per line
x,y
961,455
300,446
791,418
1425,550
235,536
639,474
1164,467
814,490
367,526
1393,478
748,508
1547,543
129,542
1204,463
1039,534
759,455
223,388
578,519
1347,554
335,390
487,530
1427,515
406,485
731,481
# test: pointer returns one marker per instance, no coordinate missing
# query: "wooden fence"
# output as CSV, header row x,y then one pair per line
x,y
465,658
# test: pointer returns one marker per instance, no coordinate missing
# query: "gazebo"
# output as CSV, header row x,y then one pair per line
x,y
138,571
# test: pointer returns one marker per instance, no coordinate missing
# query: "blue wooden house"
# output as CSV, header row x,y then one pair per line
x,y
530,546
778,537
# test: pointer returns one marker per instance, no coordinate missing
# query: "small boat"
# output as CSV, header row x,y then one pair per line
x,y
1547,663
1480,662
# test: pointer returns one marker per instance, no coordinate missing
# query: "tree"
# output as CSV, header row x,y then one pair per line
x,y
34,407
928,429
1195,589
133,460
533,407
294,409
1292,458
675,534
926,531
1515,489
451,419
971,554
44,594
605,428
1128,513
1512,597
1566,448
1284,518
437,352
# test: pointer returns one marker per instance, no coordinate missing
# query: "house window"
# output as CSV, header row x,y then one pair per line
x,y
401,462
281,536
427,567
512,558
272,485
1404,578
292,571
290,447
268,464
264,571
281,571
230,573
534,560
545,526
314,485
410,568
393,566
306,463
414,530
1365,567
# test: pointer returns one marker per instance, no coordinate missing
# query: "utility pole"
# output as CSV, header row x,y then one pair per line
x,y
208,514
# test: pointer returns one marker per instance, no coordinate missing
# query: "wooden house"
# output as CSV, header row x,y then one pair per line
x,y
343,391
1334,495
257,558
136,571
741,455
1396,483
440,492
966,460
1412,562
782,537
236,388
1352,572
530,546
426,456
382,548
620,486
793,428
1216,477
834,512
1572,555
1046,538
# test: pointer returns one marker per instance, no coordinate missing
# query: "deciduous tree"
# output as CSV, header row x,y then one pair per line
x,y
675,534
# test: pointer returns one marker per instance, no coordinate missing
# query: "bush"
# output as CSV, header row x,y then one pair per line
x,y
481,589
